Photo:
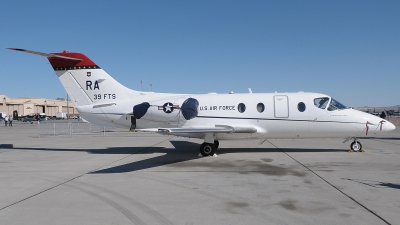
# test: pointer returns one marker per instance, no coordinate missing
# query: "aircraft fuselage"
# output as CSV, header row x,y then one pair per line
x,y
274,115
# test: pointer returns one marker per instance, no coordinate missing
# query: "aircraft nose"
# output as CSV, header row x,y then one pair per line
x,y
389,126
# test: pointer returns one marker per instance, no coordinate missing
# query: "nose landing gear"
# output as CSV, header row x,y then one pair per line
x,y
356,146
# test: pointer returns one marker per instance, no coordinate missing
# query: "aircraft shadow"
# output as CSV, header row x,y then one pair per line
x,y
6,146
375,184
182,151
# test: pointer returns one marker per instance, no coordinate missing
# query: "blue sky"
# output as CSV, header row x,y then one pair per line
x,y
349,50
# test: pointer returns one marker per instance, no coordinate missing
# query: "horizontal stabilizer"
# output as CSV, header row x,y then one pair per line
x,y
45,54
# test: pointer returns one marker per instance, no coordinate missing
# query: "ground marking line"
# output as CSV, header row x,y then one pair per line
x,y
369,210
81,175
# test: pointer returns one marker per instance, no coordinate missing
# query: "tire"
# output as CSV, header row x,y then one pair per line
x,y
356,146
207,149
216,144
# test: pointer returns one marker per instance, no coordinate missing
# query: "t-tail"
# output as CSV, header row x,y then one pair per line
x,y
85,82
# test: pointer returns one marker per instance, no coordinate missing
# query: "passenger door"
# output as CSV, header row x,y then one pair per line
x,y
281,104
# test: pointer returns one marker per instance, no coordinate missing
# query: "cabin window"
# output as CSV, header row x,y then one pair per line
x,y
301,107
241,108
260,107
321,102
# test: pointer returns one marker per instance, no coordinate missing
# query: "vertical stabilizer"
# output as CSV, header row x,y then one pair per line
x,y
85,82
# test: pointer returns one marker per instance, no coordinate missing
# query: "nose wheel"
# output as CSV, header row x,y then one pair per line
x,y
356,146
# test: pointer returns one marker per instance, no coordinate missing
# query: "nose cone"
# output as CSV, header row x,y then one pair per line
x,y
389,126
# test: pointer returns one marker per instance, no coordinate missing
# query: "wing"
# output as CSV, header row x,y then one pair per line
x,y
217,129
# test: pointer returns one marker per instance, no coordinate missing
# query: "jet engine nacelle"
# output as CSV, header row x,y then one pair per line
x,y
170,111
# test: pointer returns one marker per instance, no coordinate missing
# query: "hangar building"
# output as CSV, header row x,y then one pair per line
x,y
27,106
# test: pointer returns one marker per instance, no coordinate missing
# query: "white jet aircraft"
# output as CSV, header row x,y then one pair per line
x,y
212,117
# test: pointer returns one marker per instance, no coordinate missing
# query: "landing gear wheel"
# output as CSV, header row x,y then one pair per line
x,y
207,149
216,143
356,146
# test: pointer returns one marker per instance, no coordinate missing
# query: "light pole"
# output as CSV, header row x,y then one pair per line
x,y
45,107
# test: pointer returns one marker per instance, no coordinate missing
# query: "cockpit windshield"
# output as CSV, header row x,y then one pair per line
x,y
335,105
322,103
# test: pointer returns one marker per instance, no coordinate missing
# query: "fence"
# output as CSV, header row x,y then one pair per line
x,y
72,128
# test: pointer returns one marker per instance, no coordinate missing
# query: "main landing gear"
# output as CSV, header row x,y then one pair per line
x,y
209,149
356,146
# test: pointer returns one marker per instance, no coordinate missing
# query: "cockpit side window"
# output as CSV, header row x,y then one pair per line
x,y
335,105
321,102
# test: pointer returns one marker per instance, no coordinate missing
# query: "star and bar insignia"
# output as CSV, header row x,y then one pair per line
x,y
168,107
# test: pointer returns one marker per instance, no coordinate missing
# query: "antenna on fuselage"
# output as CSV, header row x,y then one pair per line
x,y
250,91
